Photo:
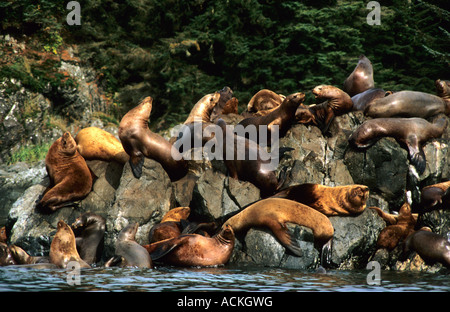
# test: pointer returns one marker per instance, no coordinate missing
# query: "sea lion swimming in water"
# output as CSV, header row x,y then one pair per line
x,y
139,142
410,132
361,79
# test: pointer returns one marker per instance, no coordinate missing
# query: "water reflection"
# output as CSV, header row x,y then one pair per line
x,y
216,279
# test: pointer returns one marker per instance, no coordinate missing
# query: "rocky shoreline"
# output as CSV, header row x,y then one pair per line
x,y
212,195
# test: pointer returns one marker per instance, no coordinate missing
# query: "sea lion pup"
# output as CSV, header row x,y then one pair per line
x,y
264,100
70,177
366,98
198,119
139,142
434,196
194,249
22,257
95,143
411,133
128,252
252,164
400,226
283,117
443,88
338,103
227,104
361,79
89,229
408,104
63,248
274,213
430,246
331,201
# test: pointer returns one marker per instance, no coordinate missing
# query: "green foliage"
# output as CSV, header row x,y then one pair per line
x,y
29,154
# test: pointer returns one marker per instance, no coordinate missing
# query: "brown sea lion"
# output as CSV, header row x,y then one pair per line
x,y
170,226
227,104
6,257
408,104
139,142
410,132
89,229
338,103
22,257
264,100
400,226
435,196
194,249
283,117
430,246
63,248
361,79
274,213
443,88
331,201
366,98
3,236
95,143
128,252
70,177
259,170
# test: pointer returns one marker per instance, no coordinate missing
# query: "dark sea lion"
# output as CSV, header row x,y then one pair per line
x,y
259,171
194,249
139,142
366,98
410,132
95,143
3,236
22,257
435,196
227,104
430,246
264,100
90,230
70,177
6,257
408,104
283,117
399,228
337,103
443,88
274,213
361,79
63,248
331,201
130,253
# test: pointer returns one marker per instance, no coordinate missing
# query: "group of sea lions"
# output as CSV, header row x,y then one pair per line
x,y
176,241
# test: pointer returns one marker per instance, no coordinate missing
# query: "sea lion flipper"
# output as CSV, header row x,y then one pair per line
x,y
287,239
136,163
189,227
417,157
163,248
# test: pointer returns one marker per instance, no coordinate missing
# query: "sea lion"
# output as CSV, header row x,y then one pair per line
x,y
366,98
3,236
274,213
435,196
22,257
264,100
139,142
259,170
408,104
63,248
70,177
338,103
95,143
410,132
443,88
331,201
170,226
430,246
6,257
129,253
283,117
89,229
227,104
400,226
361,79
194,249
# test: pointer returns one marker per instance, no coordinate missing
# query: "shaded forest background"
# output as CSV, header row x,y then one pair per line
x,y
177,51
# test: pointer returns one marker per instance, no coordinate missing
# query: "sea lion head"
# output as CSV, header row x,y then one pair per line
x,y
443,88
177,214
68,144
128,232
87,219
304,115
295,99
226,234
357,197
325,92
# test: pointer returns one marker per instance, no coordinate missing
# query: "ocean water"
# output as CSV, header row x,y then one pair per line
x,y
220,279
